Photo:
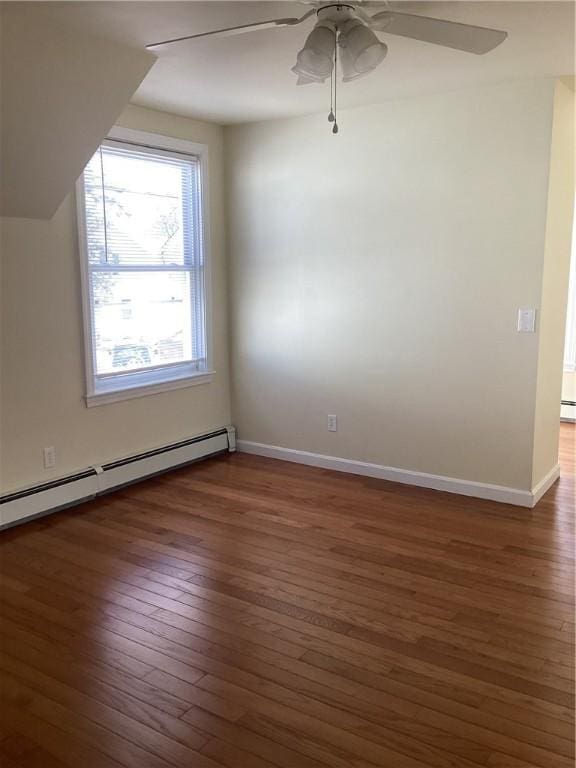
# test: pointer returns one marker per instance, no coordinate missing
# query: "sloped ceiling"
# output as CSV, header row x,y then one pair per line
x,y
61,91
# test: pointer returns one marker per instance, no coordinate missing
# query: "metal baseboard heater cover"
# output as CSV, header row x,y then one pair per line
x,y
82,486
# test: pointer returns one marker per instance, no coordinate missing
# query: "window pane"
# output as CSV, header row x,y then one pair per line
x,y
94,204
140,208
142,320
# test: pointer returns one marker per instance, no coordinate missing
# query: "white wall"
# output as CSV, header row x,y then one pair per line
x,y
555,280
377,275
42,371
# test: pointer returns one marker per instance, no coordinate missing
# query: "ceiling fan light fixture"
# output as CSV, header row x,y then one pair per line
x,y
365,51
316,59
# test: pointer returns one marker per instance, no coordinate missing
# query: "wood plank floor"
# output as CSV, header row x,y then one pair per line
x,y
246,612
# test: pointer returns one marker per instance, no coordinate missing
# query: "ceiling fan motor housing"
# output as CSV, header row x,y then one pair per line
x,y
337,14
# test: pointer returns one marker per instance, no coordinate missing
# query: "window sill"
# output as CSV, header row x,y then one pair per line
x,y
141,390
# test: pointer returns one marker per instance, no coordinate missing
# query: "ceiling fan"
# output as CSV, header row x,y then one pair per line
x,y
345,31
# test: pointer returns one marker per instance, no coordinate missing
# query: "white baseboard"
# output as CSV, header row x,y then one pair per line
x,y
498,493
545,484
94,481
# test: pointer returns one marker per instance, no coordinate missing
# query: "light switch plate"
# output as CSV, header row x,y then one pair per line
x,y
526,320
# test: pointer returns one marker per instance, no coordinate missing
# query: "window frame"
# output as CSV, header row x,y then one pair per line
x,y
169,377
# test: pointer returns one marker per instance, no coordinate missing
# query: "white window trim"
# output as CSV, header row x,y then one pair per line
x,y
126,388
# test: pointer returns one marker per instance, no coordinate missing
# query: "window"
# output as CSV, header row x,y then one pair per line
x,y
143,254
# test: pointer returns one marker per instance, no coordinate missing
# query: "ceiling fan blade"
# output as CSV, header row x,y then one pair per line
x,y
451,34
239,30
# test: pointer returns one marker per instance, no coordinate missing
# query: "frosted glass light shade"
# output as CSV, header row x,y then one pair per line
x,y
315,61
348,71
363,47
306,79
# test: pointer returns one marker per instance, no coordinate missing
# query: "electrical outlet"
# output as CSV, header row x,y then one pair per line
x,y
49,454
332,423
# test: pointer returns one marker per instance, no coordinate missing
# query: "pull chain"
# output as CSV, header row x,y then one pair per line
x,y
331,115
335,126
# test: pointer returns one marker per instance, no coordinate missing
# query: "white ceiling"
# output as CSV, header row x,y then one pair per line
x,y
247,77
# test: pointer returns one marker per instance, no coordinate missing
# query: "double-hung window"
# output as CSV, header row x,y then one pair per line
x,y
140,206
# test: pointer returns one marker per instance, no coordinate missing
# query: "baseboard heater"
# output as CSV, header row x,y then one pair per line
x,y
568,412
94,481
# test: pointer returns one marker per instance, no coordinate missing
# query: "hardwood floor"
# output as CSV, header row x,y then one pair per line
x,y
246,612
